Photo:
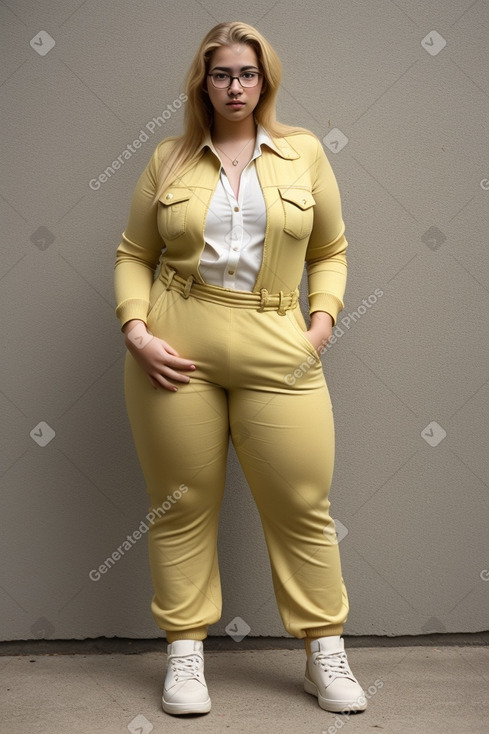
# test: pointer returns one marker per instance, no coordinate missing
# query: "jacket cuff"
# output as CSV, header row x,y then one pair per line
x,y
321,301
132,309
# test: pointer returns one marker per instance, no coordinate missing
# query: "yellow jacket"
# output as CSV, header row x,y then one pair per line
x,y
304,224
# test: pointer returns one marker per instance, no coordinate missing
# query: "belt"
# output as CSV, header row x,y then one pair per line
x,y
261,300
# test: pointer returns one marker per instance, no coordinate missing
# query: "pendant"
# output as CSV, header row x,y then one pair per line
x,y
235,162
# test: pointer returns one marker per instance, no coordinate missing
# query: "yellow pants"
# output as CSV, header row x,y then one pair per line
x,y
258,380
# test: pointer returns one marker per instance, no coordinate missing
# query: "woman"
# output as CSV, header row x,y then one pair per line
x,y
226,215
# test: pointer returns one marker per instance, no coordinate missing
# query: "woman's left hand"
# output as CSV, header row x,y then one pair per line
x,y
320,330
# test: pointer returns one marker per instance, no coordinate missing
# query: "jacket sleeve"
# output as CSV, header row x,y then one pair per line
x,y
139,252
325,256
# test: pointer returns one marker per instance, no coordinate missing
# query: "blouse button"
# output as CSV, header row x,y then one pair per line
x,y
231,272
304,201
236,208
169,197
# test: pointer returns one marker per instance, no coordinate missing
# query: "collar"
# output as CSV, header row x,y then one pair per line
x,y
279,145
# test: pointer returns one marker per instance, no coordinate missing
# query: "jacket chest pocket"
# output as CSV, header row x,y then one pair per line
x,y
172,212
298,206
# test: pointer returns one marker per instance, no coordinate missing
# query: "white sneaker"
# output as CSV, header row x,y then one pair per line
x,y
328,676
185,690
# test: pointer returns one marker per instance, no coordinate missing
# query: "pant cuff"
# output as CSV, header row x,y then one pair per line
x,y
195,633
330,630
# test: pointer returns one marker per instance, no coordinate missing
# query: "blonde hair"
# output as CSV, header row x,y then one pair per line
x,y
199,112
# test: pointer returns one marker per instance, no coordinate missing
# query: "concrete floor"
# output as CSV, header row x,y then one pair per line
x,y
413,689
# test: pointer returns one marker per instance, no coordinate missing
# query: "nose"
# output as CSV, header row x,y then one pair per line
x,y
235,87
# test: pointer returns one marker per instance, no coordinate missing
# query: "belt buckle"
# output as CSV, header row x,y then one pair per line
x,y
188,285
281,309
263,299
171,275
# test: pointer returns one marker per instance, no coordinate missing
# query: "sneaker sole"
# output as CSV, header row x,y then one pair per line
x,y
179,709
327,704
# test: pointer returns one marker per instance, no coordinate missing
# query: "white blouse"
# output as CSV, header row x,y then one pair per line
x,y
235,228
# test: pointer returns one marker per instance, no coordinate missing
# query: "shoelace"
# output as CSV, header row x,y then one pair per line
x,y
186,668
334,664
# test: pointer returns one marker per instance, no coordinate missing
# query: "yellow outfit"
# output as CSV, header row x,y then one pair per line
x,y
304,222
244,345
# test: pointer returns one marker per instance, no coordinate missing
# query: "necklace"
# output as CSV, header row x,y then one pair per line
x,y
235,160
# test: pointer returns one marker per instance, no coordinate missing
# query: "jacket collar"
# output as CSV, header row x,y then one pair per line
x,y
280,146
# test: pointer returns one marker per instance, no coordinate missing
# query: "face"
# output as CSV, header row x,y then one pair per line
x,y
236,102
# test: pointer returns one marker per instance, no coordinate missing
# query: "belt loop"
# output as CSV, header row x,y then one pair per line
x,y
295,298
188,285
263,299
281,310
171,275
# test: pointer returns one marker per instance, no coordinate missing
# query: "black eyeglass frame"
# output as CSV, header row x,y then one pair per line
x,y
232,78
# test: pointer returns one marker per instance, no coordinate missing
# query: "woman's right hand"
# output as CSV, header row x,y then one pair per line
x,y
159,360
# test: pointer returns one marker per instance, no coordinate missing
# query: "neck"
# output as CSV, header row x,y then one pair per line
x,y
226,131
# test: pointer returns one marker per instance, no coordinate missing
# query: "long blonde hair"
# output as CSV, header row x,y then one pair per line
x,y
199,113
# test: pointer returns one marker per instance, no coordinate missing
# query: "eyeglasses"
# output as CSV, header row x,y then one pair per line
x,y
221,80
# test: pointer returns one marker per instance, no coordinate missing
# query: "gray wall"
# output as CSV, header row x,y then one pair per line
x,y
405,128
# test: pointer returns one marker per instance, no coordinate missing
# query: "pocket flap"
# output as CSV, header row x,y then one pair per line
x,y
300,197
174,195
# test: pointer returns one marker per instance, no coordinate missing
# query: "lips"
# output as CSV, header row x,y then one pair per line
x,y
235,104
